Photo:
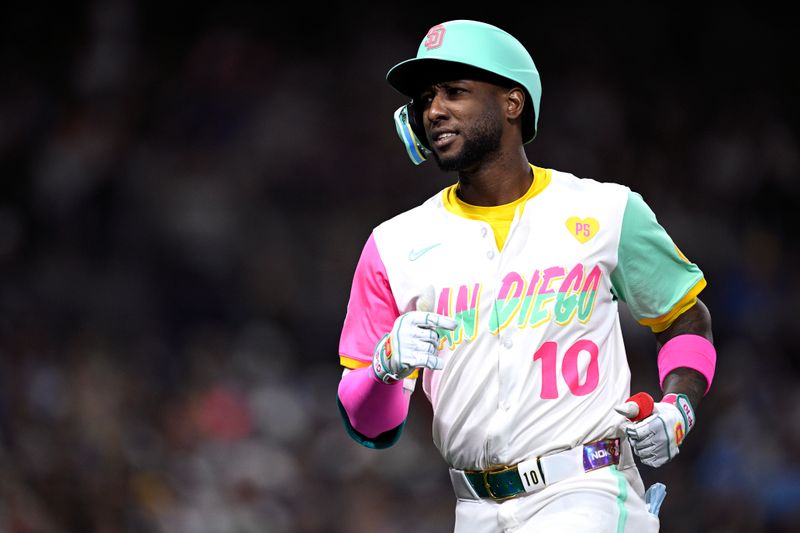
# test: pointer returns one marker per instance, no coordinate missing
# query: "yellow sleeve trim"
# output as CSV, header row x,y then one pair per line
x,y
659,324
349,362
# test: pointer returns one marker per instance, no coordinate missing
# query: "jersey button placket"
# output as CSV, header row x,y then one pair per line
x,y
500,424
506,379
484,234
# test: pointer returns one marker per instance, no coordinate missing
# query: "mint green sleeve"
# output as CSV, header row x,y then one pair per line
x,y
652,276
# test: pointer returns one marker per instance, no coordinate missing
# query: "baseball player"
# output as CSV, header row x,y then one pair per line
x,y
500,294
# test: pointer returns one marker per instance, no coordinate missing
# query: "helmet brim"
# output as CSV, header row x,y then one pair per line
x,y
412,76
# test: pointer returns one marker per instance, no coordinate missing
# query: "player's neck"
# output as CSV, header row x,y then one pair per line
x,y
496,183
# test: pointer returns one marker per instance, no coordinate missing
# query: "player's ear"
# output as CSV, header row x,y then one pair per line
x,y
514,102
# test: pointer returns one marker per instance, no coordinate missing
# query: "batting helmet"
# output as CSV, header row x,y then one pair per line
x,y
458,49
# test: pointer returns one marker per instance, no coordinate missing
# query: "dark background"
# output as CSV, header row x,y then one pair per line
x,y
184,192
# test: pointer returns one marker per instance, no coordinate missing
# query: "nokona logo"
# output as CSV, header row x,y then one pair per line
x,y
434,37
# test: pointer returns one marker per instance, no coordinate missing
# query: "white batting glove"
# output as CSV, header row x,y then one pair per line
x,y
656,439
412,343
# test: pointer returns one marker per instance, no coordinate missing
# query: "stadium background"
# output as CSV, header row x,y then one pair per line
x,y
184,192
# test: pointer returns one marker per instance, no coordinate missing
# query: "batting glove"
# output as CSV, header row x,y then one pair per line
x,y
412,343
657,437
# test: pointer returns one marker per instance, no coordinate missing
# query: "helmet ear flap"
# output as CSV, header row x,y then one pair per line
x,y
417,125
407,123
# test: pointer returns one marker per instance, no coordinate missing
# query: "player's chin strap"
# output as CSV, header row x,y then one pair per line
x,y
416,151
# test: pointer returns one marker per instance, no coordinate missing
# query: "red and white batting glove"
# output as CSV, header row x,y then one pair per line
x,y
413,343
658,429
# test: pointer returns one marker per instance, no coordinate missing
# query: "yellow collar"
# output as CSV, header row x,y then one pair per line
x,y
499,217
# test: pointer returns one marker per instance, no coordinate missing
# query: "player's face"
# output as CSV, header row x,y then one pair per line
x,y
463,122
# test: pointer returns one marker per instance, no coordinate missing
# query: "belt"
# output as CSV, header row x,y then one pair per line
x,y
534,474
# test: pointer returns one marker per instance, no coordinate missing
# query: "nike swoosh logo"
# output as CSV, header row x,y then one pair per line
x,y
413,255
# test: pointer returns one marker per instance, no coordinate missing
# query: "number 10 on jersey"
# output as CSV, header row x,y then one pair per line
x,y
583,353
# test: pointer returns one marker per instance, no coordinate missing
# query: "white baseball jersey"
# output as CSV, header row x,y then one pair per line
x,y
538,361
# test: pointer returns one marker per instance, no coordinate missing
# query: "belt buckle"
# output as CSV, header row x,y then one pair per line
x,y
486,473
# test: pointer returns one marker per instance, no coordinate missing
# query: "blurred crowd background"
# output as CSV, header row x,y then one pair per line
x,y
185,188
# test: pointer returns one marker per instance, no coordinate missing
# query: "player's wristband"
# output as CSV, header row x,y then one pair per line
x,y
687,351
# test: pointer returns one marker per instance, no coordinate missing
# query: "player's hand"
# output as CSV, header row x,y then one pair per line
x,y
412,343
656,438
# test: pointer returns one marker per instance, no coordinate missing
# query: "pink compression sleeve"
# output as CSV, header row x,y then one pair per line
x,y
373,407
687,351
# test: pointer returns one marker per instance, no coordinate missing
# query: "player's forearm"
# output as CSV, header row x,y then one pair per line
x,y
684,380
695,321
372,407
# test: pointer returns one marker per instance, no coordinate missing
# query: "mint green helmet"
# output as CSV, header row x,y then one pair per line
x,y
464,48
